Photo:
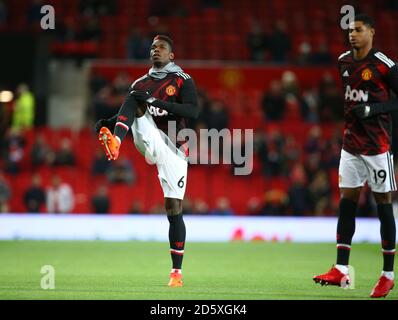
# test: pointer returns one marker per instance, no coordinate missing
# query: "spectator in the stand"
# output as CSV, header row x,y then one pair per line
x,y
217,116
34,15
5,194
5,118
65,155
97,7
290,84
315,143
41,153
100,201
158,27
24,110
330,100
279,43
307,56
291,151
59,197
292,94
310,105
121,171
253,206
271,154
120,86
203,106
67,30
304,54
320,192
331,158
222,208
273,102
14,150
121,83
104,107
298,193
138,45
3,13
256,41
35,196
312,164
260,148
97,82
157,209
100,164
90,30
322,56
200,207
187,206
275,203
136,207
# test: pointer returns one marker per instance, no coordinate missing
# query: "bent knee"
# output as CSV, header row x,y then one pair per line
x,y
350,193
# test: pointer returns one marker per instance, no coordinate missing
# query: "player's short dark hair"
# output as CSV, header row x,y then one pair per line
x,y
365,19
164,38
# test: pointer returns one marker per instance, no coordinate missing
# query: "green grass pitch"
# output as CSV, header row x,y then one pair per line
x,y
139,270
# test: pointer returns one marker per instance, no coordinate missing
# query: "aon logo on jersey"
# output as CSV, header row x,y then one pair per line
x,y
157,112
356,95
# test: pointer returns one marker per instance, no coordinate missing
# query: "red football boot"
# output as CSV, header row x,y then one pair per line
x,y
175,279
333,277
109,142
382,288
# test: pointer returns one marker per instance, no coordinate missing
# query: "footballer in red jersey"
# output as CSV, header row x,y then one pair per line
x,y
165,95
368,77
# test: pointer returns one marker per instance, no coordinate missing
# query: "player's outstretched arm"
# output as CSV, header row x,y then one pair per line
x,y
187,109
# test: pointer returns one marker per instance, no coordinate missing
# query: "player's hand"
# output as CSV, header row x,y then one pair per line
x,y
142,96
103,123
363,111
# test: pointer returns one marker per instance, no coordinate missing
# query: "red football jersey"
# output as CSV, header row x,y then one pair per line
x,y
366,80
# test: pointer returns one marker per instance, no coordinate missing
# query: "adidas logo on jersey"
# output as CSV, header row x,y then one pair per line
x,y
346,74
356,95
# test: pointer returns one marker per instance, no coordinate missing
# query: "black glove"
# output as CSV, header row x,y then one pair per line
x,y
142,96
363,111
109,123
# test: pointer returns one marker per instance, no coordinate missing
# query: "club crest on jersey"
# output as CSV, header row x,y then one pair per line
x,y
356,95
170,90
157,112
367,74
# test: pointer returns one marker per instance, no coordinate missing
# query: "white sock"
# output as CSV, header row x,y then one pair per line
x,y
388,274
342,268
176,270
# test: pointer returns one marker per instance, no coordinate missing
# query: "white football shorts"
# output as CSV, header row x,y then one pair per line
x,y
157,148
377,171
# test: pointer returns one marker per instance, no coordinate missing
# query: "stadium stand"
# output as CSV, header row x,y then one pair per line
x,y
193,27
